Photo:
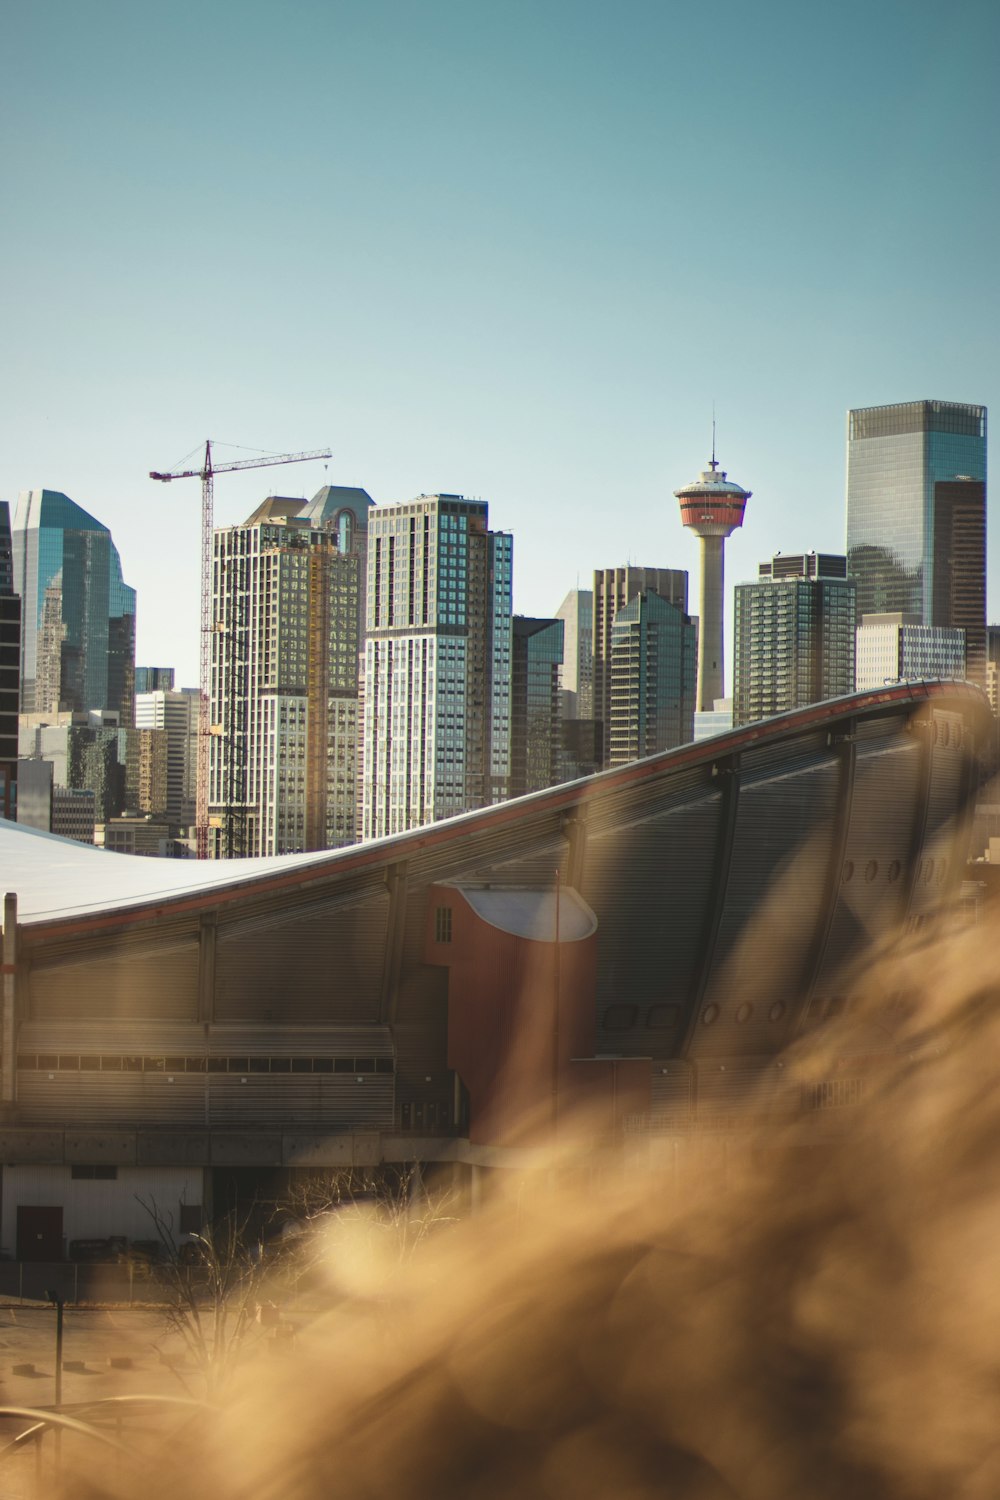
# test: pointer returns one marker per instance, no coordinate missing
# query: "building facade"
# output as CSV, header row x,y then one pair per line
x,y
536,752
899,648
916,516
176,716
78,636
438,663
284,704
794,638
654,669
613,589
10,669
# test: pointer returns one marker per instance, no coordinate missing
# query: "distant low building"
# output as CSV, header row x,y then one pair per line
x,y
896,647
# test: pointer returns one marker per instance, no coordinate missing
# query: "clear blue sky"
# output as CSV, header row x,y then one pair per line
x,y
514,250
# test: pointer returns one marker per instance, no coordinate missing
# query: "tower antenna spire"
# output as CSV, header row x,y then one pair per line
x,y
713,466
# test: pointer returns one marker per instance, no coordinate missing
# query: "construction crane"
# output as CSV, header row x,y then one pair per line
x,y
206,473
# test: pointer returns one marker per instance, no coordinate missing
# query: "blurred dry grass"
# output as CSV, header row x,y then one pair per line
x,y
815,1319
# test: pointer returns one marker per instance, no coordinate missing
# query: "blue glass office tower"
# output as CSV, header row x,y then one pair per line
x,y
916,515
78,640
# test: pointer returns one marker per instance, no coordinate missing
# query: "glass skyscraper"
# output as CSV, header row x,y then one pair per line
x,y
78,646
535,720
916,515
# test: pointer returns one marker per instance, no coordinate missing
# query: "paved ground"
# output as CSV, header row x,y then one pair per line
x,y
136,1340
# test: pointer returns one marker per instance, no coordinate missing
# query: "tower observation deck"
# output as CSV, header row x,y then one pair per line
x,y
712,507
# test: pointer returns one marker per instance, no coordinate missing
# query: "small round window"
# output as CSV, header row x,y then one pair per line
x,y
848,871
777,1011
709,1014
871,870
744,1012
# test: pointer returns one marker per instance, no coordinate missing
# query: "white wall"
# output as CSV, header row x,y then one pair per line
x,y
93,1209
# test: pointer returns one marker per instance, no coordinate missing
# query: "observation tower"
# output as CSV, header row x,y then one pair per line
x,y
713,507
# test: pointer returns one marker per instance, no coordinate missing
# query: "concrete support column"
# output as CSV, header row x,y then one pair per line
x,y
8,1033
710,626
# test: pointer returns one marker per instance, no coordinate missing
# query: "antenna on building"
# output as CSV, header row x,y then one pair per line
x,y
713,465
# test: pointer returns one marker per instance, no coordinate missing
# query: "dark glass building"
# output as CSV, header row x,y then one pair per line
x,y
654,672
535,725
916,515
78,650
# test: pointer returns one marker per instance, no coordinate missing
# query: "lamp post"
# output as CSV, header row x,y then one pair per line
x,y
55,1298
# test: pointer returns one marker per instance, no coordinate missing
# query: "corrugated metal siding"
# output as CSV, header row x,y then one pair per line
x,y
327,966
158,1038
938,868
672,1096
774,902
424,1082
649,884
537,870
744,1083
154,982
876,871
136,1100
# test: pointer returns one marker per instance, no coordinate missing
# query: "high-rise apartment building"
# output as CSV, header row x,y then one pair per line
x,y
10,669
654,669
284,704
896,647
78,634
536,755
614,588
794,637
438,663
916,516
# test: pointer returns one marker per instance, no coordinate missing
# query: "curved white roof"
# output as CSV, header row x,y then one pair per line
x,y
56,877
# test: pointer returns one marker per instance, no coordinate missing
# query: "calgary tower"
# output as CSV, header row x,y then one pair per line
x,y
713,507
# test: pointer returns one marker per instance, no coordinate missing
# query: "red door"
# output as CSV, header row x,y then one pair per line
x,y
39,1233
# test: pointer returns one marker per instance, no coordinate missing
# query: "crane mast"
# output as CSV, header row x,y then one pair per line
x,y
207,474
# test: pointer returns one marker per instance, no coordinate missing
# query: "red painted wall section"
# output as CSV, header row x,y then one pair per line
x,y
509,1041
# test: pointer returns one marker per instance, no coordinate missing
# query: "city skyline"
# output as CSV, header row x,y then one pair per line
x,y
516,257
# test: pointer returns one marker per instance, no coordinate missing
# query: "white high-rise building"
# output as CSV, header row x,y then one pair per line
x,y
437,665
284,704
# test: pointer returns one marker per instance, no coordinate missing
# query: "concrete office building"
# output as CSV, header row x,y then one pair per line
x,y
536,758
712,507
916,516
284,705
899,648
654,650
78,637
438,663
794,636
614,588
